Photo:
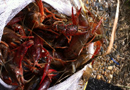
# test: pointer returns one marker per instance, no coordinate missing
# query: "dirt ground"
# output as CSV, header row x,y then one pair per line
x,y
122,46
105,68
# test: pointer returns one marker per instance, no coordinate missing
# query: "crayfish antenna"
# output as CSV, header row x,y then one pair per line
x,y
47,66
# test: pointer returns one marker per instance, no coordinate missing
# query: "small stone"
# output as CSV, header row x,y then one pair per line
x,y
109,81
108,71
111,71
99,63
111,61
102,72
98,77
103,78
96,69
102,64
108,63
118,66
105,73
110,67
117,56
94,76
115,69
115,46
111,76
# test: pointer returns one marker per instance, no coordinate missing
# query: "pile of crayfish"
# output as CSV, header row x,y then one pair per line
x,y
38,45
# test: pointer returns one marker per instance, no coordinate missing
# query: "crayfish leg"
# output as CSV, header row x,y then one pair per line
x,y
18,27
51,15
47,80
45,71
68,38
40,6
41,9
15,20
21,51
45,84
98,47
3,46
97,27
48,57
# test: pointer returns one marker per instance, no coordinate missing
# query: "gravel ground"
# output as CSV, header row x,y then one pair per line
x,y
122,43
105,68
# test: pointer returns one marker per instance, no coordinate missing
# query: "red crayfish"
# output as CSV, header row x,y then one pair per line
x,y
38,43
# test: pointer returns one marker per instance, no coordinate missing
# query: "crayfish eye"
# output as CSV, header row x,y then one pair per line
x,y
73,28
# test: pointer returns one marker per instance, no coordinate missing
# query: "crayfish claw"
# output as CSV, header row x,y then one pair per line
x,y
75,19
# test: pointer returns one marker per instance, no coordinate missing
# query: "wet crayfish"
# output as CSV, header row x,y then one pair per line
x,y
44,44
